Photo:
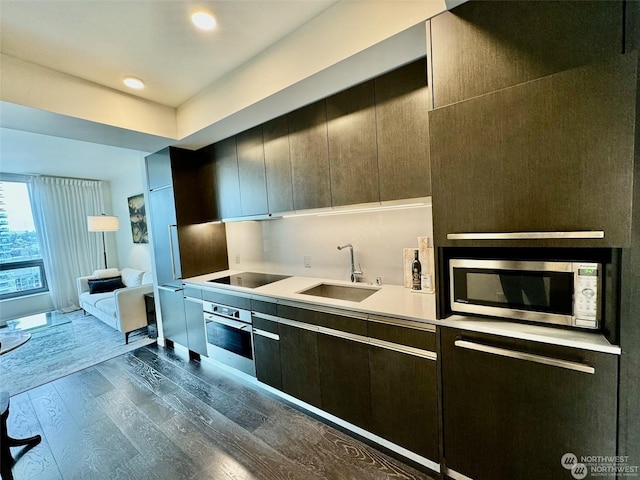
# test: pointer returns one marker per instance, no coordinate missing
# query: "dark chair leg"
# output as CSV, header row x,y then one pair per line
x,y
6,460
126,338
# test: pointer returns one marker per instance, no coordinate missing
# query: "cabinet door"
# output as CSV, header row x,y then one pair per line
x,y
163,234
193,187
344,379
351,126
481,47
277,160
554,154
196,334
266,347
251,171
174,326
309,157
504,401
158,167
227,181
404,400
402,125
299,361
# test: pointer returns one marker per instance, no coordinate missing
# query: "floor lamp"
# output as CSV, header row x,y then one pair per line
x,y
103,223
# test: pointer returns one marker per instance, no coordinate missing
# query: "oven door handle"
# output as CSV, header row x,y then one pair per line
x,y
226,321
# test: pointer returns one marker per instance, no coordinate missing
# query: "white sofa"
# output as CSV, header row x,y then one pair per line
x,y
123,308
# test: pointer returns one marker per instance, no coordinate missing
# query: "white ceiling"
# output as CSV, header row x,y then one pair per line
x,y
63,62
105,40
32,153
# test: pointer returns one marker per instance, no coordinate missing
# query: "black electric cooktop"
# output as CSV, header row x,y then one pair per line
x,y
249,279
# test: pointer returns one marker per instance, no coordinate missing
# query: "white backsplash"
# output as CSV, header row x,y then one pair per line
x,y
378,239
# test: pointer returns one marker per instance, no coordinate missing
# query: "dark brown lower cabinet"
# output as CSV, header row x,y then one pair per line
x,y
344,379
514,408
404,400
174,325
266,349
299,360
194,321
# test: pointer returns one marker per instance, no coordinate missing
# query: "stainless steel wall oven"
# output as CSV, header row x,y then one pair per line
x,y
229,337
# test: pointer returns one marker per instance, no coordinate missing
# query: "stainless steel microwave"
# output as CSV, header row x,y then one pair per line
x,y
562,293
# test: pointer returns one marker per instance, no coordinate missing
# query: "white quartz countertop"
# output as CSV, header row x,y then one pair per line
x,y
389,300
400,302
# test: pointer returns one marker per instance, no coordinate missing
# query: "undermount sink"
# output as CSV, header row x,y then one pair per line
x,y
340,292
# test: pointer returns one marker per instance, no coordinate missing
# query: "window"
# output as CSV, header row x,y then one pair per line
x,y
21,265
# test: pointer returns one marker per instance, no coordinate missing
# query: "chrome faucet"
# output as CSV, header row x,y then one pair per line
x,y
354,273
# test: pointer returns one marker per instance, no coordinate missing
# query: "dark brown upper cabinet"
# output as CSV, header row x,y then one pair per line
x,y
552,155
402,125
480,47
278,164
158,167
351,127
309,157
186,171
226,178
251,172
185,245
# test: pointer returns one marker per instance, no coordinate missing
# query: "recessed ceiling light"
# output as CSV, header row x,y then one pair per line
x,y
133,82
203,20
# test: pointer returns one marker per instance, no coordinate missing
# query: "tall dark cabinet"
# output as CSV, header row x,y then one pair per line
x,y
185,244
555,154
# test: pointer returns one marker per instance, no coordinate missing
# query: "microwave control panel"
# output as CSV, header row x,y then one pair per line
x,y
585,294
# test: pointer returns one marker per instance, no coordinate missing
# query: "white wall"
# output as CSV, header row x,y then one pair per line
x,y
123,252
129,181
378,238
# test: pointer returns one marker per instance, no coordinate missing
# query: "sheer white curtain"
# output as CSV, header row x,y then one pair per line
x,y
60,210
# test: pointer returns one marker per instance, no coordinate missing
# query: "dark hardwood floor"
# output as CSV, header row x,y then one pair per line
x,y
152,414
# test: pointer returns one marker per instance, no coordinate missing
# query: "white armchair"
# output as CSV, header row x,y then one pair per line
x,y
122,308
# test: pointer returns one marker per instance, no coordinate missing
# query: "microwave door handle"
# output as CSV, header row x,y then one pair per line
x,y
530,357
593,234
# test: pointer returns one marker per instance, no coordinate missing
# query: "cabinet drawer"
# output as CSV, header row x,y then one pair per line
x,y
412,334
324,318
264,324
529,350
193,292
264,306
227,299
526,402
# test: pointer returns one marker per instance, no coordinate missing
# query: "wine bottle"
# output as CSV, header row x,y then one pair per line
x,y
416,273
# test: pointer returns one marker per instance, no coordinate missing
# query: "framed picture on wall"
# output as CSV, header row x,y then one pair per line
x,y
138,219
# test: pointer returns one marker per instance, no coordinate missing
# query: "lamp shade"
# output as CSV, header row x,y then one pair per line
x,y
103,223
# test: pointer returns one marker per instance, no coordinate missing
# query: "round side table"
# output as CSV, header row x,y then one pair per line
x,y
8,342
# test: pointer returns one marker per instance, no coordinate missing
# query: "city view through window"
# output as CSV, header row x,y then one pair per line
x,y
21,266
